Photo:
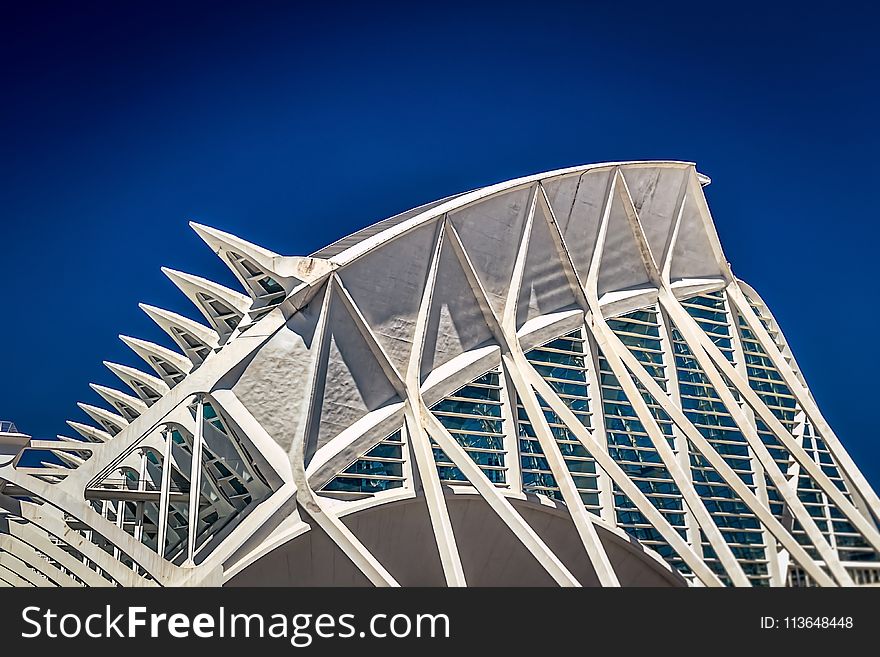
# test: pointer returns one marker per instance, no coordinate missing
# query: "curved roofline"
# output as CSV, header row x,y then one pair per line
x,y
436,209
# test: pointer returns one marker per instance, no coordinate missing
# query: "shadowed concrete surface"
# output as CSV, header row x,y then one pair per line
x,y
400,536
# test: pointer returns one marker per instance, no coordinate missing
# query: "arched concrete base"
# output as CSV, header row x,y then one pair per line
x,y
399,535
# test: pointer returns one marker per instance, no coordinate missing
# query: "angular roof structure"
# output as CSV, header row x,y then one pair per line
x,y
555,380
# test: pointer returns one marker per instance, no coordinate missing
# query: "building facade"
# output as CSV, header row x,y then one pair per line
x,y
555,380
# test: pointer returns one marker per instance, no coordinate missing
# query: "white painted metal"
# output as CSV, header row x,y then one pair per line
x,y
326,355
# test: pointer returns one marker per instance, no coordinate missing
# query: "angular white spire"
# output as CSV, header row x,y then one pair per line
x,y
92,434
67,439
267,276
127,406
220,241
146,386
171,367
111,422
196,340
223,308
70,460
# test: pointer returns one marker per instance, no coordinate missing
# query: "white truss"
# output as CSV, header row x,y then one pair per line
x,y
127,406
195,340
223,308
566,354
146,386
169,365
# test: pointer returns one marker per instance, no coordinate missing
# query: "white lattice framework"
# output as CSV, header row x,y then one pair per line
x,y
571,343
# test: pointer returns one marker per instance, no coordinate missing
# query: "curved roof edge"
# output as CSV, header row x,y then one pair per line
x,y
352,246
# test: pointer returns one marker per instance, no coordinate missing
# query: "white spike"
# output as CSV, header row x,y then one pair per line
x,y
127,406
174,324
68,439
153,354
220,240
287,271
130,376
70,460
200,291
260,263
92,434
105,418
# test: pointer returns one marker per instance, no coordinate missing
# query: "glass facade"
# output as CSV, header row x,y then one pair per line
x,y
704,408
195,349
475,417
629,443
231,485
335,345
472,415
768,383
562,364
381,468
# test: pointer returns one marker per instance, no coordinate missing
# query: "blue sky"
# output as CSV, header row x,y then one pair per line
x,y
292,127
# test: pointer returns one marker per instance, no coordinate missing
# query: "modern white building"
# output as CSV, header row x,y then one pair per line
x,y
556,380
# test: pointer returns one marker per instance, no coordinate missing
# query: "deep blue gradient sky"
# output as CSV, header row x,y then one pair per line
x,y
292,127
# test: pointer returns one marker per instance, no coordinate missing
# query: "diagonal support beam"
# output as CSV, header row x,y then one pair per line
x,y
570,495
420,443
502,506
613,349
805,399
310,503
504,331
726,472
628,486
587,296
698,340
